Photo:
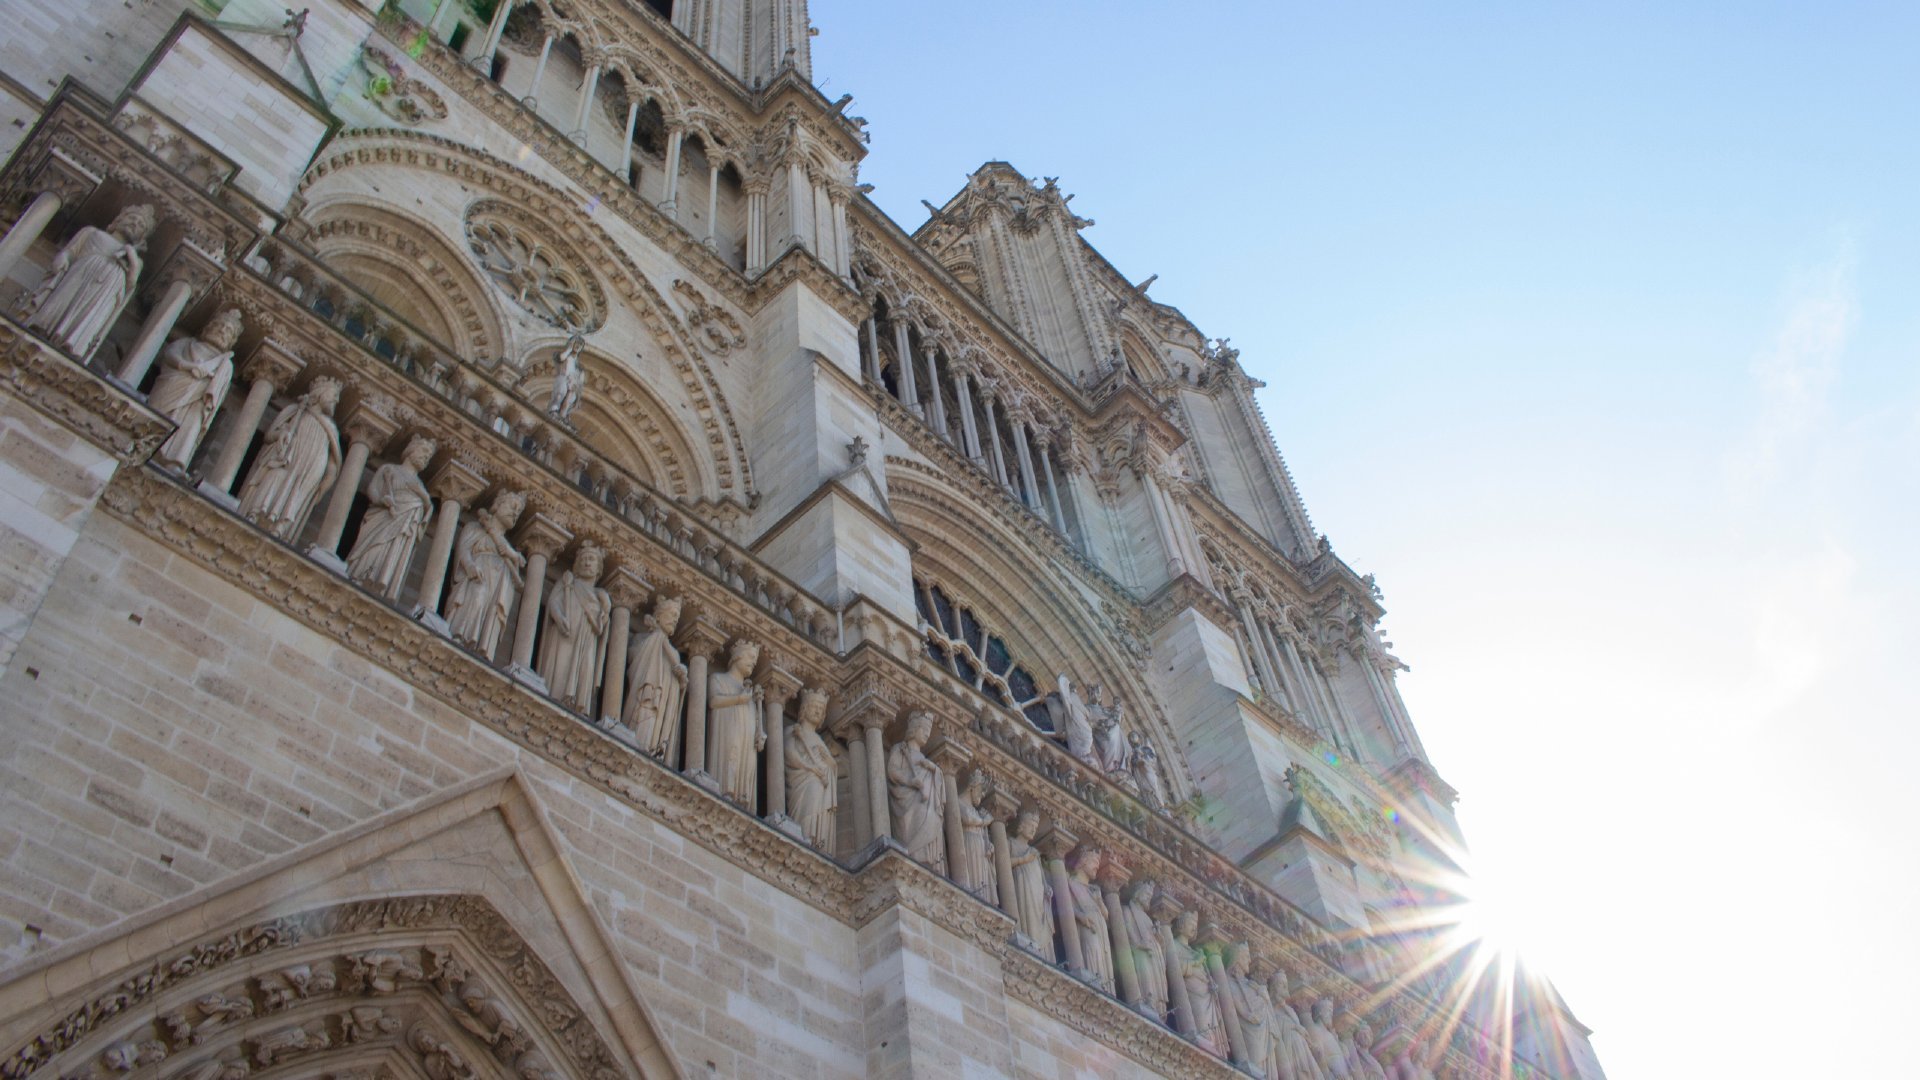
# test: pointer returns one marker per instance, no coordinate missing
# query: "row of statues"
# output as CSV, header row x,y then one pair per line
x,y
1095,732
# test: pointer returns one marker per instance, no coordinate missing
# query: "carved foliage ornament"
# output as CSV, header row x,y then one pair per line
x,y
719,332
407,100
536,269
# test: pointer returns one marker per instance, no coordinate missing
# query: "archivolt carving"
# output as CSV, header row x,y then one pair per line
x,y
720,331
623,419
558,211
368,231
443,979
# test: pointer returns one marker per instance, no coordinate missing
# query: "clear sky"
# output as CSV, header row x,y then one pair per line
x,y
1594,331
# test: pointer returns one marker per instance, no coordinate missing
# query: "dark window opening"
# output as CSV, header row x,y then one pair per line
x,y
662,8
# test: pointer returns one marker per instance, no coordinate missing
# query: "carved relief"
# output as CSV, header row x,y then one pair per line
x,y
719,331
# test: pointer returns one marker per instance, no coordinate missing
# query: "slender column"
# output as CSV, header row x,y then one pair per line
x,y
1256,648
542,538
998,467
153,334
626,588
1053,493
27,229
1053,848
366,428
756,230
1032,487
672,191
1228,1019
532,100
857,776
1003,807
1309,704
1342,715
964,394
699,655
484,61
1113,878
453,483
872,366
796,183
877,776
842,248
956,834
933,393
903,348
588,86
267,374
626,144
713,204
780,689
1175,564
822,223
1164,913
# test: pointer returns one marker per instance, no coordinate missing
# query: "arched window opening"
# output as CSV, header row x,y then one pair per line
x,y
662,8
958,641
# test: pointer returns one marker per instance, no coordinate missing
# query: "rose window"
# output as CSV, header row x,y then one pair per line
x,y
540,274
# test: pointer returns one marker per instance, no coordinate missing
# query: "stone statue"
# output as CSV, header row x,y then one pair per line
x,y
733,702
486,575
1245,999
1292,1051
1149,955
1325,1044
1109,735
812,777
300,458
975,862
656,684
89,281
1146,772
1090,915
916,794
193,380
1189,964
1071,723
397,510
1411,1063
573,651
1033,898
1361,1064
567,381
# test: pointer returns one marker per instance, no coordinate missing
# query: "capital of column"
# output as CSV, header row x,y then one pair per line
x,y
189,266
1056,842
1164,908
949,755
626,586
703,639
542,535
272,362
1002,805
457,480
781,684
369,420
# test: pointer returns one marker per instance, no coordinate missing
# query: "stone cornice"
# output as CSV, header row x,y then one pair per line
x,y
77,399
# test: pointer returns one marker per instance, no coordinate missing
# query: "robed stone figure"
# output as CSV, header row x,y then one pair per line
x,y
813,791
916,794
1246,999
1189,964
1149,955
1032,895
90,279
397,510
1090,915
976,845
1292,1050
301,457
656,683
193,380
1072,722
574,648
733,703
486,576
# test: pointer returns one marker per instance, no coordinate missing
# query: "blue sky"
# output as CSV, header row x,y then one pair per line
x,y
1594,331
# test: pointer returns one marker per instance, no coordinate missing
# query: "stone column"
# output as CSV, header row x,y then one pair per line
x,y
532,100
862,821
454,483
713,204
626,144
1030,487
780,689
1164,911
484,61
1113,877
903,348
1212,945
366,427
938,406
153,333
675,138
842,239
1003,807
756,226
796,183
31,223
953,759
626,588
877,775
821,224
998,467
872,330
1257,657
970,446
1163,522
541,538
588,87
1053,494
267,371
1054,845
703,641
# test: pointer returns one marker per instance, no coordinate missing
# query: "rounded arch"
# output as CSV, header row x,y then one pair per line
x,y
412,270
1047,623
561,212
623,419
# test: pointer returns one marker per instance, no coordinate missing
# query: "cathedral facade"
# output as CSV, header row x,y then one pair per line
x,y
514,565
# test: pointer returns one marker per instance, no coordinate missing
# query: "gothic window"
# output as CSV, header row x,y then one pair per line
x,y
958,641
